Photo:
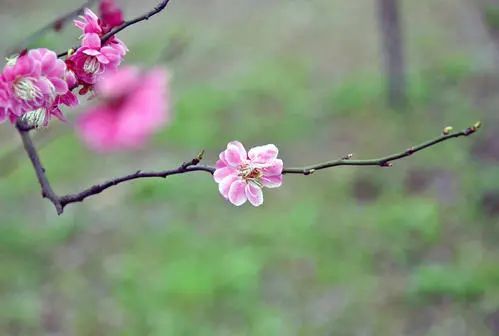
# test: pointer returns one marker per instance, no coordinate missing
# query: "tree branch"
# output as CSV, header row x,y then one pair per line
x,y
55,25
160,7
60,202
29,147
384,161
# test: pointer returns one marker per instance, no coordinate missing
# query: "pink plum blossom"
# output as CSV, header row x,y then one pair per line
x,y
241,175
133,106
89,23
95,57
34,81
92,59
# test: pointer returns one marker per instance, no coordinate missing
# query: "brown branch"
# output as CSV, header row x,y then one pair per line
x,y
160,7
29,147
384,161
60,202
55,25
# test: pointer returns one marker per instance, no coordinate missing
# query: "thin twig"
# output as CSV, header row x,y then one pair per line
x,y
384,161
160,7
55,25
98,188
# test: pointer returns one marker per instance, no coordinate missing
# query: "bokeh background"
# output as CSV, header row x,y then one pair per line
x,y
411,250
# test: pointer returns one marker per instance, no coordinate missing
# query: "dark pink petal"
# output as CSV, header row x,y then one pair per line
x,y
56,112
91,41
61,86
254,194
69,99
237,194
24,66
3,114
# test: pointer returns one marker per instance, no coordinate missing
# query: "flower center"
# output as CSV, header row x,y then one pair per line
x,y
25,89
91,65
251,174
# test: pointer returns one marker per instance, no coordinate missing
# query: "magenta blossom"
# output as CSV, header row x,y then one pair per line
x,y
241,175
89,23
34,81
134,105
111,14
92,59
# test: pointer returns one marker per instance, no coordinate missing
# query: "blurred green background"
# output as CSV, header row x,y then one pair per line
x,y
411,250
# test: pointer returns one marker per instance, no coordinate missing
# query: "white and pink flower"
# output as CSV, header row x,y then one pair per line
x,y
242,175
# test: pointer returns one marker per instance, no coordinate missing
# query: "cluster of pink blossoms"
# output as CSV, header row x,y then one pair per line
x,y
94,58
36,83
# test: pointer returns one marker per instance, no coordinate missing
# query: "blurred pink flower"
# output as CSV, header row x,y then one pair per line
x,y
111,14
34,81
241,175
134,105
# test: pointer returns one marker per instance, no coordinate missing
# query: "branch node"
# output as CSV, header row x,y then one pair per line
x,y
347,157
309,172
410,151
385,164
447,130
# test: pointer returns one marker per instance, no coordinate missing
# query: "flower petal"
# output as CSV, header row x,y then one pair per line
x,y
274,169
271,181
225,184
61,86
222,173
263,154
91,40
237,195
254,194
235,154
